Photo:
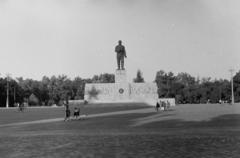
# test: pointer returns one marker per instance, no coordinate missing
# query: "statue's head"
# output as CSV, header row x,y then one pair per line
x,y
119,42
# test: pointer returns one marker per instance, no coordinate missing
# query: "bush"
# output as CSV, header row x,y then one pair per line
x,y
33,100
51,102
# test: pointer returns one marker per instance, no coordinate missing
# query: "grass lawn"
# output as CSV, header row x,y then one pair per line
x,y
12,115
184,131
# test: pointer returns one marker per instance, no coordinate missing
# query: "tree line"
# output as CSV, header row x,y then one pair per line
x,y
47,91
53,90
188,89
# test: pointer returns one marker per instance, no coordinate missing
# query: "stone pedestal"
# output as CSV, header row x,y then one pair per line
x,y
120,76
107,92
121,91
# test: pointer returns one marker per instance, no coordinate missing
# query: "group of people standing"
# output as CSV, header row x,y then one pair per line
x,y
162,105
21,107
76,113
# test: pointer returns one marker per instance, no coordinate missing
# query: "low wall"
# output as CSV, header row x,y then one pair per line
x,y
122,92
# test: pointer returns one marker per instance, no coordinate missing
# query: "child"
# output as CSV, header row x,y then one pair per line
x,y
164,105
76,112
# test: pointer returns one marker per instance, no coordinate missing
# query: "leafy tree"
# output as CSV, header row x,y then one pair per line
x,y
78,86
188,88
165,82
236,84
33,100
59,88
186,79
160,79
103,78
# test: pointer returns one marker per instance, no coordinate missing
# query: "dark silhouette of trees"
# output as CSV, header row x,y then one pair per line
x,y
236,85
103,78
183,87
187,89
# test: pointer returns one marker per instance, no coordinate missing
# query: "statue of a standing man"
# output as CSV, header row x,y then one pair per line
x,y
121,53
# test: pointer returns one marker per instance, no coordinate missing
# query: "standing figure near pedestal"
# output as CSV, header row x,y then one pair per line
x,y
121,53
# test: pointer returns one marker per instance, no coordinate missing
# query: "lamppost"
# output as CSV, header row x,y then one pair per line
x,y
231,71
7,100
14,95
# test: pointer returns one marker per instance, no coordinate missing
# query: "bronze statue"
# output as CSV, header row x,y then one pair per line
x,y
121,53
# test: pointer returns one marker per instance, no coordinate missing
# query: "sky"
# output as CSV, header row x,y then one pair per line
x,y
77,37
